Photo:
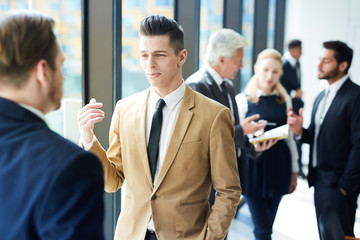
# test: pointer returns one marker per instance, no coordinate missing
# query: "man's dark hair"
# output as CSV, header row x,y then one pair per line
x,y
294,43
342,52
26,37
157,25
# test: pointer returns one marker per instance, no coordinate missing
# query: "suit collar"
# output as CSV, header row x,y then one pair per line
x,y
180,128
214,74
340,90
337,85
13,110
140,134
215,89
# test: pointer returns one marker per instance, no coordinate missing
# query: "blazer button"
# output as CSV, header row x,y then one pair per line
x,y
153,197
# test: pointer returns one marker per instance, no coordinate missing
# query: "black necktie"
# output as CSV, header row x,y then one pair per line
x,y
298,73
153,145
224,92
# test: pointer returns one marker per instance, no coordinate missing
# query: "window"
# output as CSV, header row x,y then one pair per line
x,y
271,24
67,16
248,33
133,11
211,20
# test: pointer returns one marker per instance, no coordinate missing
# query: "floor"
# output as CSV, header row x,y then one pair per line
x,y
295,219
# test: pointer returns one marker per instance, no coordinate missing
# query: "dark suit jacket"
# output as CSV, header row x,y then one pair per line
x,y
202,82
50,188
338,150
290,81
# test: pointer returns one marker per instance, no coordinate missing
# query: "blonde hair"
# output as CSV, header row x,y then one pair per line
x,y
253,84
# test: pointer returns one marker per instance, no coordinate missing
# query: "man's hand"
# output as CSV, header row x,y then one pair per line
x,y
298,93
343,191
293,182
265,145
87,117
249,125
295,121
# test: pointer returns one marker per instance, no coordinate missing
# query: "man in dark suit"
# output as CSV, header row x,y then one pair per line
x,y
50,188
291,80
223,58
334,138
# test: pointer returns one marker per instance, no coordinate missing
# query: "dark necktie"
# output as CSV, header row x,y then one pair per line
x,y
153,145
298,73
224,92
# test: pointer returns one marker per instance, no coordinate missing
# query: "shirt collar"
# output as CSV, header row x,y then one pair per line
x,y
290,58
336,85
260,93
218,79
34,111
171,99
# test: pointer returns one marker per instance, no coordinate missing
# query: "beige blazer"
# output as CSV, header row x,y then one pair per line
x,y
200,152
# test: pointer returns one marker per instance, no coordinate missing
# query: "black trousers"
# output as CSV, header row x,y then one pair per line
x,y
330,199
150,235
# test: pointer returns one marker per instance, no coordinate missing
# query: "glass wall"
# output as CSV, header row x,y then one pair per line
x,y
211,20
133,11
248,33
271,24
67,16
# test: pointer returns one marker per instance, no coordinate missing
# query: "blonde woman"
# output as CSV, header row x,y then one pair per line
x,y
274,173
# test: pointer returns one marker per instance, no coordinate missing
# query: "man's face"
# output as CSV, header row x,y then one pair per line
x,y
56,82
328,67
230,67
161,65
296,52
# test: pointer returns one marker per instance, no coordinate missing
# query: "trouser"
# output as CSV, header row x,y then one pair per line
x,y
263,212
150,235
329,198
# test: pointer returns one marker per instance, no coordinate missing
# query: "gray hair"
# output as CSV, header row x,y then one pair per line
x,y
224,42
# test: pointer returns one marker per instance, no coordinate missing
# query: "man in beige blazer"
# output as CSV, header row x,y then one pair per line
x,y
196,149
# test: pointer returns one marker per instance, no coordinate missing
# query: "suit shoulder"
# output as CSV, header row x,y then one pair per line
x,y
206,102
352,88
129,102
197,77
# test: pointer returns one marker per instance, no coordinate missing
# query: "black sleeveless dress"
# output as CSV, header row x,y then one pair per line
x,y
269,175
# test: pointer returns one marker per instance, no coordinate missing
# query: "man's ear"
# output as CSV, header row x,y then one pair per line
x,y
343,66
41,71
182,57
221,59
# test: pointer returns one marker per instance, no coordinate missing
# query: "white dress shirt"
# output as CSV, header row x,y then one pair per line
x,y
170,112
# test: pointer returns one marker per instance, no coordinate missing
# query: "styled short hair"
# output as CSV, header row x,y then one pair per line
x,y
342,52
26,37
157,25
294,43
224,43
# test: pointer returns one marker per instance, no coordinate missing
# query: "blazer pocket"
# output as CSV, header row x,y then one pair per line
x,y
193,215
189,144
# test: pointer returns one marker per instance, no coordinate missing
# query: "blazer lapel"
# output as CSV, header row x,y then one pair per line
x,y
316,105
215,89
140,135
335,102
180,129
234,105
